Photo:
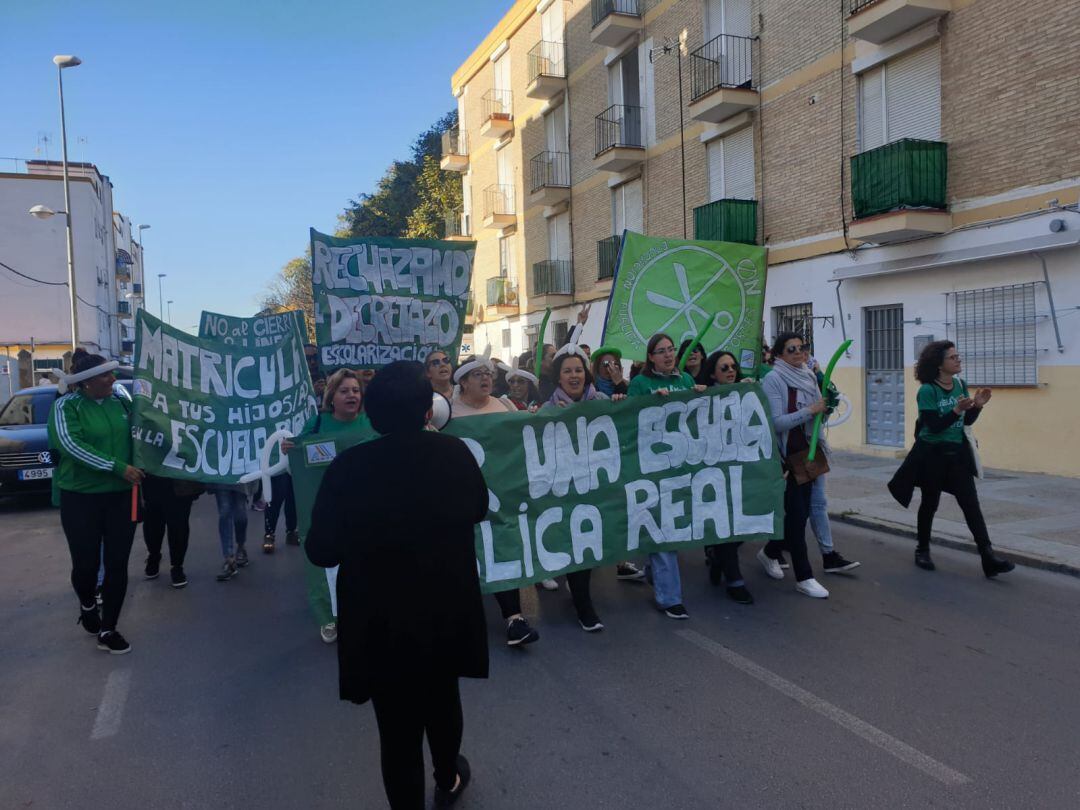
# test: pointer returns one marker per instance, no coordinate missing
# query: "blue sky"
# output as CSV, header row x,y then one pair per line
x,y
231,127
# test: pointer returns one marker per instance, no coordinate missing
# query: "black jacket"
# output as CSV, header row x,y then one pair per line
x,y
925,465
397,514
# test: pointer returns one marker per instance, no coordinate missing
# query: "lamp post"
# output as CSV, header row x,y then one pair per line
x,y
43,212
142,252
160,297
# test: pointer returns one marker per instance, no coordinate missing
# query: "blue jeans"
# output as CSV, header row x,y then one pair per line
x,y
232,518
667,585
819,516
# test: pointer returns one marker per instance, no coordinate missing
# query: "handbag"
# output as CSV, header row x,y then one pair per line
x,y
804,469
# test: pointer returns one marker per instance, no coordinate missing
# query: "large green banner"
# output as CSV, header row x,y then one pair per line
x,y
380,299
676,286
596,483
255,332
204,409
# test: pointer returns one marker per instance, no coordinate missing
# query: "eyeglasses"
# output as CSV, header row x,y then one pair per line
x,y
794,349
665,351
439,361
608,363
481,373
725,367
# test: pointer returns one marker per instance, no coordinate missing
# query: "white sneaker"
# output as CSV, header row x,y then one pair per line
x,y
811,587
549,585
771,566
328,632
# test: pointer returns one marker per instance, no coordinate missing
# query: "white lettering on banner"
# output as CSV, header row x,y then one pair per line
x,y
392,319
564,463
370,268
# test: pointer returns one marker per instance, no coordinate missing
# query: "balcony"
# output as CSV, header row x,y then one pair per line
x,y
722,78
727,221
470,310
553,277
607,257
500,210
457,226
127,346
619,142
878,21
502,296
615,20
550,178
455,151
136,288
123,308
898,191
547,70
497,107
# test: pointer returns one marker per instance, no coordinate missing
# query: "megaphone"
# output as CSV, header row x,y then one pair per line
x,y
440,411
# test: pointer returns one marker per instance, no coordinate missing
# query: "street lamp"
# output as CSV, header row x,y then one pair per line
x,y
44,212
160,306
142,251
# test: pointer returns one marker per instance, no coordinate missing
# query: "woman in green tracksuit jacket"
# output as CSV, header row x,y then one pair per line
x,y
89,427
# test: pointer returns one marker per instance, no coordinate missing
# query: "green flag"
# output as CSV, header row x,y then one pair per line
x,y
676,286
204,408
380,299
596,483
254,332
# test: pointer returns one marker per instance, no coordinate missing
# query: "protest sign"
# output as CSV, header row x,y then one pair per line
x,y
380,299
675,286
255,332
596,483
203,408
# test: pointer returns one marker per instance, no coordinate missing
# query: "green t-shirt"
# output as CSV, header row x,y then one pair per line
x,y
329,425
932,397
94,442
644,384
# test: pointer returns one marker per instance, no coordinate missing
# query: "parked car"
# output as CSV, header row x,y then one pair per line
x,y
26,461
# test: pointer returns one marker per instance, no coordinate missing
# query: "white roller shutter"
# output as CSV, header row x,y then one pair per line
x,y
714,19
559,237
739,165
714,156
635,219
737,17
913,95
871,110
555,127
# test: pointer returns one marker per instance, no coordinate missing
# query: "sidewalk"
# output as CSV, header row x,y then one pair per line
x,y
1033,519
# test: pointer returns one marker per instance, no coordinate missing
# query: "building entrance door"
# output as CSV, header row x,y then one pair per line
x,y
884,375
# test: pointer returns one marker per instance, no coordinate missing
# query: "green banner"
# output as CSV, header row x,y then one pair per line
x,y
380,299
256,332
204,409
676,286
596,483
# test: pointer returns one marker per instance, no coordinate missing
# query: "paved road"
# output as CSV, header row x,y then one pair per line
x,y
905,689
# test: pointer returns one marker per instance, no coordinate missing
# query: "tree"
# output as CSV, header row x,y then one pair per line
x,y
438,195
291,289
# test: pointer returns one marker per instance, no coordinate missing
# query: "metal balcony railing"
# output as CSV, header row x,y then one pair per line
x,y
904,174
123,307
498,104
499,200
725,61
727,221
553,277
601,9
136,288
550,170
855,6
547,59
618,125
456,224
501,292
455,142
607,257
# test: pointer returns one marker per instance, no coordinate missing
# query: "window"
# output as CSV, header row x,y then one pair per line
x,y
624,86
995,335
626,213
797,318
555,129
506,339
901,99
559,331
727,17
48,365
506,257
559,236
731,166
27,409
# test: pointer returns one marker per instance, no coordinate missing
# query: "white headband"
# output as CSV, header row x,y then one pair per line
x,y
472,365
68,380
519,372
572,349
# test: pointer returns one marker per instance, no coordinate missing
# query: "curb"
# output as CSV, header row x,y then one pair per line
x,y
1018,557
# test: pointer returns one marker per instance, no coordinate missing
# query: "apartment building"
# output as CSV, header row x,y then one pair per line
x,y
35,325
912,166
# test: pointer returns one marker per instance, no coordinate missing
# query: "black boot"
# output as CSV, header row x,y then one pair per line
x,y
992,564
922,558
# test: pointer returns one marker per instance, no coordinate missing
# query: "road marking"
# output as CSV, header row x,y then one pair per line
x,y
872,734
111,710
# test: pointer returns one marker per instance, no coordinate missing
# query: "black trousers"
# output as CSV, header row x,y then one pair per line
x,y
579,582
281,493
726,557
509,602
954,475
796,514
166,514
405,713
93,524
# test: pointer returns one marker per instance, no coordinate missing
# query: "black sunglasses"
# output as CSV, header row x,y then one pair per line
x,y
794,349
439,361
725,367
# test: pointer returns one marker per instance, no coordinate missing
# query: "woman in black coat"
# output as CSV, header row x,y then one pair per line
x,y
397,514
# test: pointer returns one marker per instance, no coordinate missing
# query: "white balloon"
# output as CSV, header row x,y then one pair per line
x,y
266,469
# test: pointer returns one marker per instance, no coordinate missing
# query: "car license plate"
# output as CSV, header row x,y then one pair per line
x,y
34,475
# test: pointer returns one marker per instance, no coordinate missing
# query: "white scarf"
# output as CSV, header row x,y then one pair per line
x,y
802,379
